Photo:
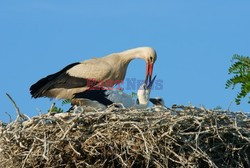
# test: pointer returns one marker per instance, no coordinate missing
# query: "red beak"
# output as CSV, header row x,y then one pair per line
x,y
149,71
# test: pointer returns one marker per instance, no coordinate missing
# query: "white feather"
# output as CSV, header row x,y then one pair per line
x,y
118,96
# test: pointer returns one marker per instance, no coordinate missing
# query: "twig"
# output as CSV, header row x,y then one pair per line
x,y
66,132
79,154
16,107
120,158
45,147
10,119
144,140
228,109
51,108
31,149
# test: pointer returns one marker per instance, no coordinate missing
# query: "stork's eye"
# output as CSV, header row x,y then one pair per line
x,y
151,59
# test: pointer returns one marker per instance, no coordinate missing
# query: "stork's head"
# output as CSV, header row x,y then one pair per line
x,y
143,93
148,54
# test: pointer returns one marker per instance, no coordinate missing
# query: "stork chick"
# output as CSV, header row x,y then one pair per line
x,y
159,104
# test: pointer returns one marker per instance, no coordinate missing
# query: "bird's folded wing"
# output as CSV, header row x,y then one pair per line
x,y
94,68
75,75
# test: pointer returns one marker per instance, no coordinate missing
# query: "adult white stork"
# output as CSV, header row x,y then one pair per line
x,y
74,78
102,98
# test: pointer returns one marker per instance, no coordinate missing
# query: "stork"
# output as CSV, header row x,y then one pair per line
x,y
157,101
74,78
159,104
102,98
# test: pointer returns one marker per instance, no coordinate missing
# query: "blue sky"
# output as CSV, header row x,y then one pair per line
x,y
194,39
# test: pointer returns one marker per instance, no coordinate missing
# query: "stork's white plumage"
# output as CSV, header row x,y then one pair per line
x,y
102,98
74,78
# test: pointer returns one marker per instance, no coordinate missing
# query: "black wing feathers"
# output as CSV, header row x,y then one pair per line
x,y
57,80
97,94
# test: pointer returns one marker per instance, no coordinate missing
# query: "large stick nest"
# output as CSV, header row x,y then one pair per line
x,y
177,137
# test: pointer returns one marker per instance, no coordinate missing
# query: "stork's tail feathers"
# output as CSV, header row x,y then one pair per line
x,y
37,89
40,87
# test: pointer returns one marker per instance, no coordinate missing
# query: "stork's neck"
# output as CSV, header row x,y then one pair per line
x,y
125,57
120,61
131,54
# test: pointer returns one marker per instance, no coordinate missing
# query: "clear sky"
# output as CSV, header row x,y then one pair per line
x,y
194,40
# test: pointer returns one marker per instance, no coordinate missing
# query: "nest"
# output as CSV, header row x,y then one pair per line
x,y
183,136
